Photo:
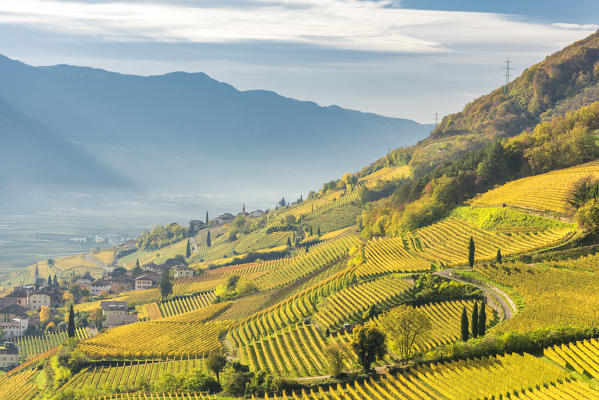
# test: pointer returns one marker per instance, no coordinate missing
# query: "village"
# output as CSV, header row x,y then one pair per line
x,y
39,307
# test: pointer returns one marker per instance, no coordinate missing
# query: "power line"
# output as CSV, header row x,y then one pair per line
x,y
507,69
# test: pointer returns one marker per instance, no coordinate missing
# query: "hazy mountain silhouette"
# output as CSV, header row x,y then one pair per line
x,y
168,129
32,154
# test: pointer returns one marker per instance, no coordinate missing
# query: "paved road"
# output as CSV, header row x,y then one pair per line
x,y
496,298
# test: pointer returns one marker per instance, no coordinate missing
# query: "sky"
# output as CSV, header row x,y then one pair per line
x,y
408,58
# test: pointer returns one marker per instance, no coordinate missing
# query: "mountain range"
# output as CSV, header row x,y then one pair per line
x,y
181,132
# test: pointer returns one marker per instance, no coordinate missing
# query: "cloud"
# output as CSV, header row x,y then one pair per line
x,y
576,26
342,24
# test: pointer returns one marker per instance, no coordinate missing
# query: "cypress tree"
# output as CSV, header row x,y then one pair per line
x,y
49,280
474,321
464,325
137,263
498,256
288,242
471,250
55,282
208,241
206,217
318,231
188,250
482,320
71,325
311,233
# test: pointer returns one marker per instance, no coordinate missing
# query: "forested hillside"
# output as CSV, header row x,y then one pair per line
x,y
569,76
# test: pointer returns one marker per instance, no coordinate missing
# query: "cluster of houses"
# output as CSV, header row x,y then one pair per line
x,y
121,280
14,307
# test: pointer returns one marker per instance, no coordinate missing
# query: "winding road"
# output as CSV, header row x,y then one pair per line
x,y
496,298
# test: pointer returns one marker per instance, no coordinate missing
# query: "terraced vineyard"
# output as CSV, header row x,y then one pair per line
x,y
126,373
545,192
389,255
319,256
582,356
444,317
185,304
589,263
158,396
347,304
298,350
401,387
386,174
272,319
337,198
447,241
31,346
19,385
493,377
294,350
157,256
179,336
552,296
261,240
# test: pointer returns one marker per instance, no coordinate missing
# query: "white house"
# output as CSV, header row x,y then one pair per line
x,y
100,286
14,328
146,281
37,300
182,271
114,307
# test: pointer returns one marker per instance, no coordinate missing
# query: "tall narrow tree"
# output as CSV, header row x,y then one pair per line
x,y
55,282
498,256
71,324
474,321
49,280
208,241
482,320
188,250
464,325
471,250
318,231
137,263
206,217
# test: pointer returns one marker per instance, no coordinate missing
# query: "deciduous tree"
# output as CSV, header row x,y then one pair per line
x,y
216,363
336,353
45,314
368,344
404,328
